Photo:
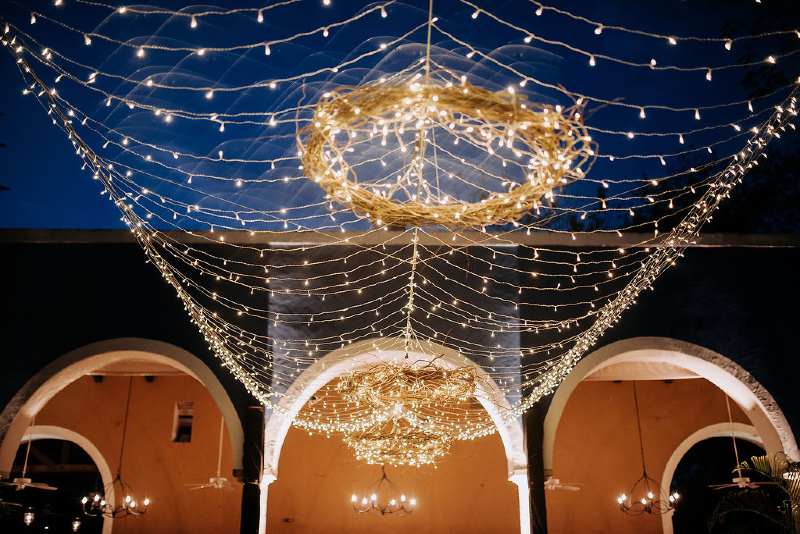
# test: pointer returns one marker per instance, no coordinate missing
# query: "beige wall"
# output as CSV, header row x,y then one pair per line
x,y
468,494
596,445
153,464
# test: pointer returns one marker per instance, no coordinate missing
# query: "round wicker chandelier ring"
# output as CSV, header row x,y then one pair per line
x,y
397,443
553,141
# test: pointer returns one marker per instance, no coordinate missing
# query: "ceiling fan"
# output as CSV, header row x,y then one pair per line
x,y
739,480
556,484
743,482
217,481
22,482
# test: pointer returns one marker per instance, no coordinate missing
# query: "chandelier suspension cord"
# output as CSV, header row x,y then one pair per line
x,y
420,178
428,43
639,427
28,450
125,426
219,449
733,435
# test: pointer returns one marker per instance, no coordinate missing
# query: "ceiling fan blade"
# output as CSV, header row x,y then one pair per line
x,y
42,486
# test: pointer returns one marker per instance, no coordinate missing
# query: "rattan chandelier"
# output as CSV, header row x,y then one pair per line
x,y
393,126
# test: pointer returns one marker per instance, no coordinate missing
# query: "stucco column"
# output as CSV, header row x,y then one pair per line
x,y
252,467
534,432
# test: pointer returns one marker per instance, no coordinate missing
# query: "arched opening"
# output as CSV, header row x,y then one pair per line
x,y
159,404
18,414
52,432
591,437
64,460
705,458
359,355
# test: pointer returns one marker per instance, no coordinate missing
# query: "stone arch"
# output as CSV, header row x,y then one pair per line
x,y
757,403
18,415
371,351
717,430
56,432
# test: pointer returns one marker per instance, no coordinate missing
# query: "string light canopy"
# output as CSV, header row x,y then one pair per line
x,y
394,504
103,504
645,496
297,209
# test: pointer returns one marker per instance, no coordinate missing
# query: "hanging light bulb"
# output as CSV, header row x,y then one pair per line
x,y
28,517
76,525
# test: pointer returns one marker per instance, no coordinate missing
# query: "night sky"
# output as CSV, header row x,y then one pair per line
x,y
47,190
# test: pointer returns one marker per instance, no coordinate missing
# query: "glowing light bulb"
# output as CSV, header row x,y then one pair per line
x,y
28,518
87,40
193,23
209,94
140,52
598,30
592,61
267,50
708,75
697,114
353,498
384,14
373,497
728,44
260,16
76,525
672,41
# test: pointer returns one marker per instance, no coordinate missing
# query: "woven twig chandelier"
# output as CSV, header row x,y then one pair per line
x,y
403,123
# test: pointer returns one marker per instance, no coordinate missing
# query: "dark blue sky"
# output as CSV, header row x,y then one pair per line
x,y
46,188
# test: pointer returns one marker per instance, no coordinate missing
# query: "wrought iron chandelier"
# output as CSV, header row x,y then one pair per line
x,y
375,502
645,496
95,504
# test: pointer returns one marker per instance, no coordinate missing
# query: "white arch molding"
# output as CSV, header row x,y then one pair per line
x,y
717,430
18,415
758,404
56,432
364,354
